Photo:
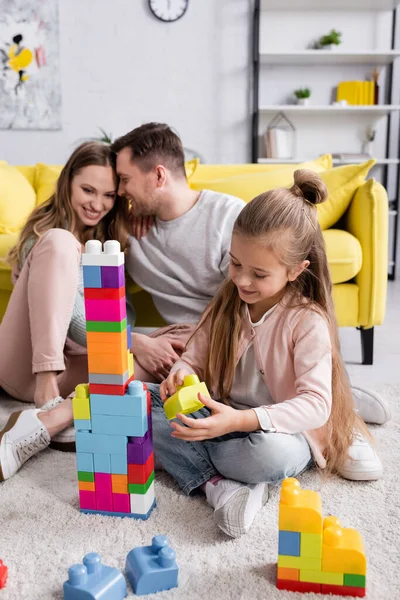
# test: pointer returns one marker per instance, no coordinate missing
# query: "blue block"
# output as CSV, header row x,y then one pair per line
x,y
102,463
119,425
119,464
118,514
289,543
91,277
151,569
129,334
83,424
94,581
100,444
84,462
123,406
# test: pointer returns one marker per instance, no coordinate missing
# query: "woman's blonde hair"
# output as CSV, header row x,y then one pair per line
x,y
285,221
57,211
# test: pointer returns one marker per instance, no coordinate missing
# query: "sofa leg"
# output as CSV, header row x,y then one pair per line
x,y
367,345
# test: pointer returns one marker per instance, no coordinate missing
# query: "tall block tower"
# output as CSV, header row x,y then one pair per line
x,y
112,413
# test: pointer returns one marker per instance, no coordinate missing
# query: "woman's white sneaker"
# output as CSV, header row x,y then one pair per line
x,y
23,436
65,440
363,463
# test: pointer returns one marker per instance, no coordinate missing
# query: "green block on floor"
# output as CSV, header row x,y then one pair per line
x,y
355,580
140,488
85,476
106,326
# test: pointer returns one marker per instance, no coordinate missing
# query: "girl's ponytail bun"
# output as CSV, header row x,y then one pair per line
x,y
309,186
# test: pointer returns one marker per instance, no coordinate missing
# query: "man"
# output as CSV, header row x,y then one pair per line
x,y
184,258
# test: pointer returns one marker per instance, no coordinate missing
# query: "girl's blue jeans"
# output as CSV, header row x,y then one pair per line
x,y
246,457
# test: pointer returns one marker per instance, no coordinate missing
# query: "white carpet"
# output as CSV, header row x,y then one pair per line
x,y
42,532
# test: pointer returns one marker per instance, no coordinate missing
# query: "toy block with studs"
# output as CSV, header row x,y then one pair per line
x,y
151,569
185,400
91,580
3,574
316,554
113,409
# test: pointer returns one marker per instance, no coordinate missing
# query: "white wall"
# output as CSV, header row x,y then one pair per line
x,y
121,67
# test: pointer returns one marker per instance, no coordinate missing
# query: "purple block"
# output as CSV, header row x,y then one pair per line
x,y
103,491
139,452
112,277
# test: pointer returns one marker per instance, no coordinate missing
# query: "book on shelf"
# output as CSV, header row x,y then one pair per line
x,y
356,92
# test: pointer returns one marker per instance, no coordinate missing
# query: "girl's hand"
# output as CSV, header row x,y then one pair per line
x,y
141,225
224,419
168,386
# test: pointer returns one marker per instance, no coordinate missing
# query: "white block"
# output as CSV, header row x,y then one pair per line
x,y
141,503
95,257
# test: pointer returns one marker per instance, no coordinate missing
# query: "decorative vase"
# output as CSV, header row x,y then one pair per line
x,y
303,101
330,47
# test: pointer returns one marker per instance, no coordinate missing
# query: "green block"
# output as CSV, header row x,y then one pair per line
x,y
355,580
106,326
85,476
140,488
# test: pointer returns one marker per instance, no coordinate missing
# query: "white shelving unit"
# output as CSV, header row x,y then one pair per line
x,y
330,57
373,5
336,161
377,111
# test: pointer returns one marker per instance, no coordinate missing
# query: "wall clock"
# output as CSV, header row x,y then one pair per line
x,y
168,10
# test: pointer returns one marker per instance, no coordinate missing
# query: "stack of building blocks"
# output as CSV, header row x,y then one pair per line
x,y
3,574
151,569
185,400
112,414
94,581
316,554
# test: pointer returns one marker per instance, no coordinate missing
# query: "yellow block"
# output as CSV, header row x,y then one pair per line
x,y
130,363
342,549
81,402
288,574
311,545
185,400
297,562
321,577
299,510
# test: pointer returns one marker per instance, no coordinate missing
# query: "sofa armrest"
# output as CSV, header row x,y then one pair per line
x,y
367,219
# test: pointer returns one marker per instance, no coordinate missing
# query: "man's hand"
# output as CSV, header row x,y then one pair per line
x,y
141,225
157,355
224,419
168,386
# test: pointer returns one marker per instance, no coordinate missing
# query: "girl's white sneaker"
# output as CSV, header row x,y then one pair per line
x,y
23,436
362,463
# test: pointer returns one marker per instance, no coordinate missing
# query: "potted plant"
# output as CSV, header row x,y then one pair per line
x,y
303,96
330,41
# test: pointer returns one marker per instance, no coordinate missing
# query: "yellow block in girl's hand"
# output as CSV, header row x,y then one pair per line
x,y
185,400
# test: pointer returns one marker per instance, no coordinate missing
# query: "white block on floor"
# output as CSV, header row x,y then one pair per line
x,y
141,503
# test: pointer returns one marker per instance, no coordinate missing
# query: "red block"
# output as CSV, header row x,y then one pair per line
x,y
3,574
104,293
141,473
343,590
105,388
87,500
121,503
298,586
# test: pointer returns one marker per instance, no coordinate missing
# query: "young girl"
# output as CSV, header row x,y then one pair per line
x,y
42,335
267,347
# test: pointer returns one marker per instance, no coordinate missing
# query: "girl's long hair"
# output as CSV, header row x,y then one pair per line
x,y
285,221
57,211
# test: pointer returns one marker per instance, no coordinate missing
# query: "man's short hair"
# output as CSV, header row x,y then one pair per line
x,y
153,144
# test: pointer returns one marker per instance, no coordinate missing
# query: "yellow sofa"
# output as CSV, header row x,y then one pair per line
x,y
354,222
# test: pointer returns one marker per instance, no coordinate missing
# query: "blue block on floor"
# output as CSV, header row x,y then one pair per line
x,y
119,464
119,425
118,514
123,406
100,444
102,463
83,424
92,580
151,569
91,276
84,462
289,543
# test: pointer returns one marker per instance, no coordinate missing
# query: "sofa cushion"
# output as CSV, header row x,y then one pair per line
x,y
17,199
342,183
46,179
249,185
205,172
29,172
190,167
344,254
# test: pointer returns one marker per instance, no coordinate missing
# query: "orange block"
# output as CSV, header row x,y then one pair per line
x,y
107,342
87,486
111,364
119,484
288,574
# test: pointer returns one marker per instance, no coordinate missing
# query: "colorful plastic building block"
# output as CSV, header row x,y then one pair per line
x,y
3,574
94,581
316,555
152,568
185,400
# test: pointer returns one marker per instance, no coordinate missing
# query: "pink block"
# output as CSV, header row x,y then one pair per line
x,y
121,503
103,491
105,310
87,499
